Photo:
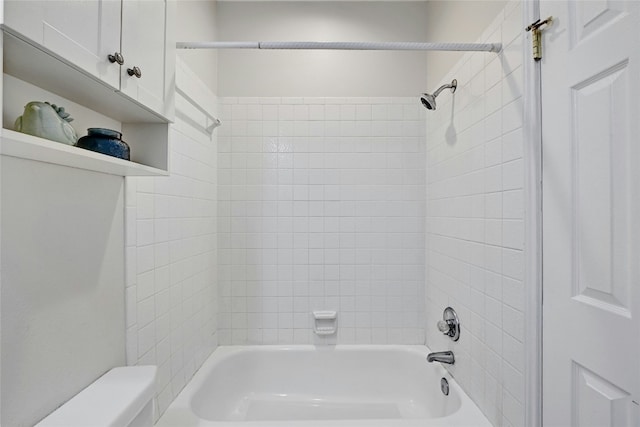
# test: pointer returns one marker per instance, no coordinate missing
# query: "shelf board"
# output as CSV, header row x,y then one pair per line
x,y
17,144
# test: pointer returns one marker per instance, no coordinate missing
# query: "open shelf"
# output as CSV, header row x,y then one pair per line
x,y
31,72
17,144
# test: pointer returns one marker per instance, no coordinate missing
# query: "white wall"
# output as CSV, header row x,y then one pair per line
x,y
171,258
63,272
62,284
321,207
475,230
455,21
196,20
320,198
321,73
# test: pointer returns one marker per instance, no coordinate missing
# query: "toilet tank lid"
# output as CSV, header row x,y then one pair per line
x,y
114,399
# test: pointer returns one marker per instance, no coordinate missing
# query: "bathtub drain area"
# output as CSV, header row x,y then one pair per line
x,y
270,407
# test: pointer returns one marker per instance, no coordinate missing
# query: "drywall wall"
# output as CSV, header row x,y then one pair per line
x,y
62,284
321,73
196,20
456,21
475,228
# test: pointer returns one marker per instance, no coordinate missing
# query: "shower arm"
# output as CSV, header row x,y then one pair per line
x,y
417,46
453,85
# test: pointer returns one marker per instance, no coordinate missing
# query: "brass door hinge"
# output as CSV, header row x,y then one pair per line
x,y
536,38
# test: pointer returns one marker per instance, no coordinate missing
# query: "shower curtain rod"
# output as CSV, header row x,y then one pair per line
x,y
468,47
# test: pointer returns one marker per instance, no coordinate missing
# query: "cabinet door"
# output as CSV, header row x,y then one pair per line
x,y
147,44
81,32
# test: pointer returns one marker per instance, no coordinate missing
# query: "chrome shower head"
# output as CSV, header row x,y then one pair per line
x,y
429,101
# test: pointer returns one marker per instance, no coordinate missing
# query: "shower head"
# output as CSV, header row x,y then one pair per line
x,y
429,101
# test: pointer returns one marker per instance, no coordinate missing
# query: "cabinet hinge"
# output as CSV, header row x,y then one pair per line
x,y
536,38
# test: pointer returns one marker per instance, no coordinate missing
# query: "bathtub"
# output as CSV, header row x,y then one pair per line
x,y
324,386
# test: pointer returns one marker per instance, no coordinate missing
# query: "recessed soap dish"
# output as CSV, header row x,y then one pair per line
x,y
325,322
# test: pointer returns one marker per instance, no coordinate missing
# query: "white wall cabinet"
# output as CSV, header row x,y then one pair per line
x,y
86,33
81,32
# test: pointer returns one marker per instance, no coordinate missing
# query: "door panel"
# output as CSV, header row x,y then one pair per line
x,y
591,332
589,17
597,402
601,182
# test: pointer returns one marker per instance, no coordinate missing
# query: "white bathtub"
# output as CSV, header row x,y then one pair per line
x,y
324,386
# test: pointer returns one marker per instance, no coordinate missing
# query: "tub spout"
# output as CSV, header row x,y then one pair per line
x,y
442,357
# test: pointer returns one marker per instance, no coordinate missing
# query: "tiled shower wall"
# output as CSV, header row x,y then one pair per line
x,y
171,294
321,207
475,230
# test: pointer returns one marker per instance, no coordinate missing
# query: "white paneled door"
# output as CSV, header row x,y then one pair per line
x,y
591,213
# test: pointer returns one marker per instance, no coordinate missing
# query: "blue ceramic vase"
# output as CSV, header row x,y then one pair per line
x,y
105,141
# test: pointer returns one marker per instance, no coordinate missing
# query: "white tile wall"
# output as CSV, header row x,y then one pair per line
x,y
321,207
171,255
475,236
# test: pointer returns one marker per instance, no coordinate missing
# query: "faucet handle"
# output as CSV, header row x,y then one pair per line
x,y
450,325
443,326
